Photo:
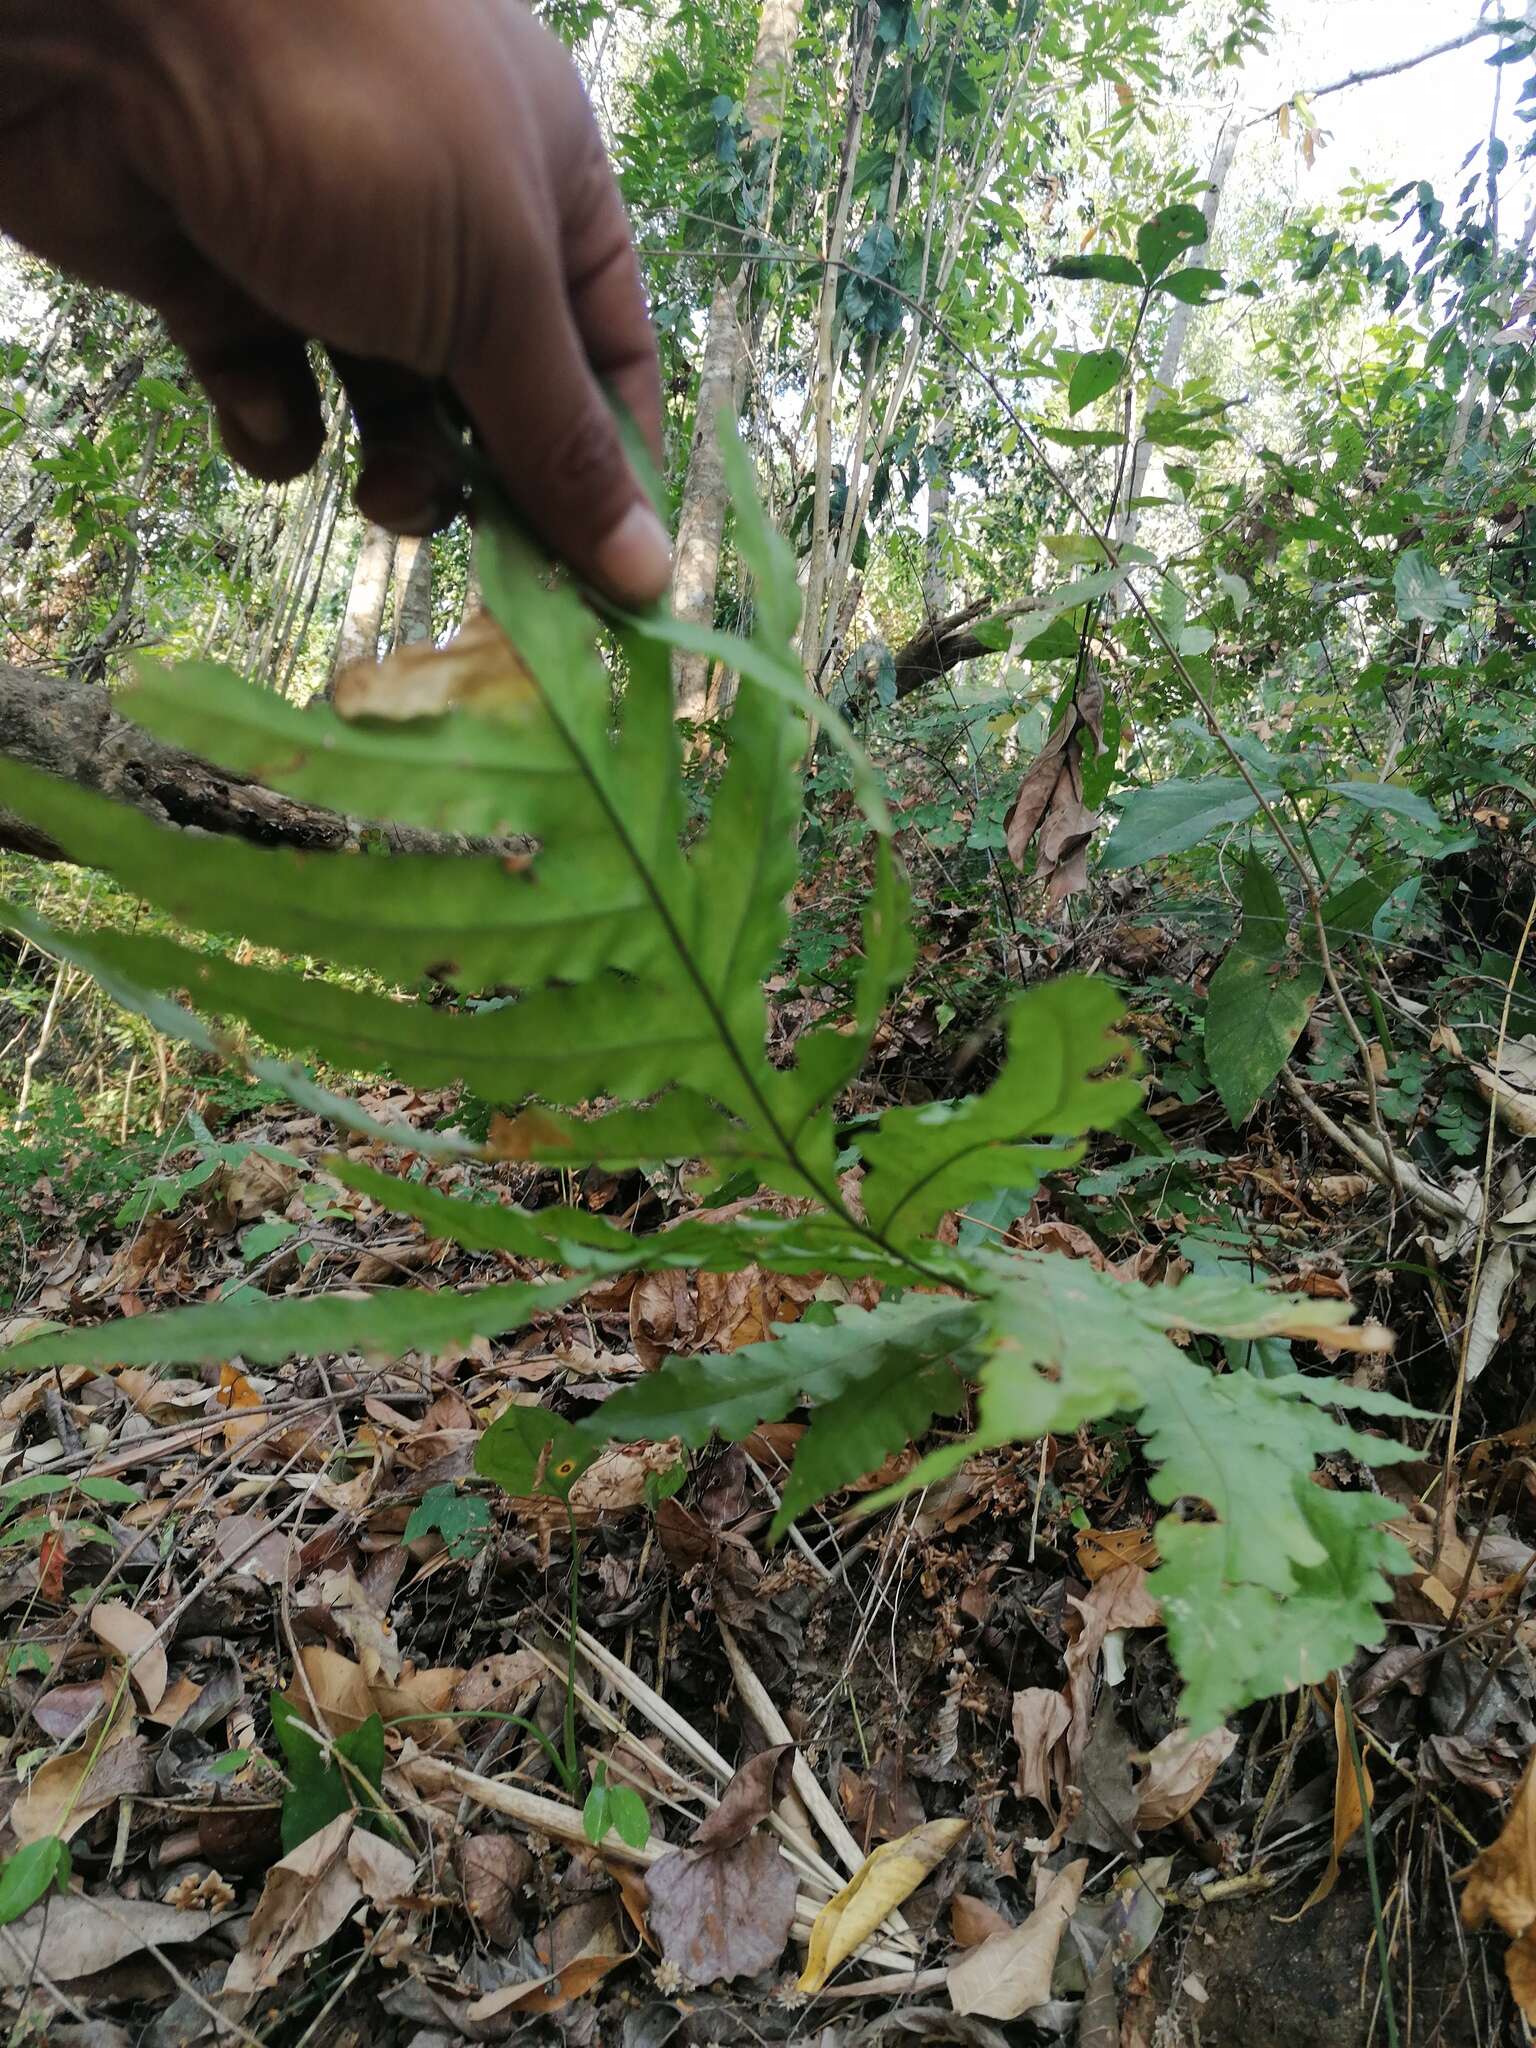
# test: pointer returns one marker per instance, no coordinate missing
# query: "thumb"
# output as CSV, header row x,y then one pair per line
x,y
552,438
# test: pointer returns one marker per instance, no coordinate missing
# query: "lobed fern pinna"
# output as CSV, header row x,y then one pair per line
x,y
638,962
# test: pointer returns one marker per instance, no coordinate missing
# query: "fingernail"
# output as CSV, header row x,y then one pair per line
x,y
635,561
262,417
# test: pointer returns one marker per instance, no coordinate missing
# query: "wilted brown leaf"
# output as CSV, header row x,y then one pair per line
x,y
66,1938
1011,1973
67,1791
972,1921
1040,1720
1119,1600
749,1798
493,1870
1178,1772
479,671
1501,1885
134,1640
1049,806
305,1899
722,1913
1106,1550
1348,1806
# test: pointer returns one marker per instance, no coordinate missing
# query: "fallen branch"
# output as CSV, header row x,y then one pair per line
x,y
74,730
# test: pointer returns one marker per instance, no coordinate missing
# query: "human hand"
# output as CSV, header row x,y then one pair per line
x,y
418,184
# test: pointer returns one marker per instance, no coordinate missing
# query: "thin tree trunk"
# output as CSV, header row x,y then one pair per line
x,y
1173,340
936,539
826,368
363,619
413,591
722,380
701,522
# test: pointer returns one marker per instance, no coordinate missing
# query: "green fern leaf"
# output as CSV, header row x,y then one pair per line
x,y
927,1161
387,1325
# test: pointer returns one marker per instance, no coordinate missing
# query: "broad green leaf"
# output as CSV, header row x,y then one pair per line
x,y
1196,287
319,1788
30,1874
1163,239
926,1160
1351,911
1173,816
1422,592
1101,266
462,1520
531,1450
386,1325
1261,997
1387,796
1098,371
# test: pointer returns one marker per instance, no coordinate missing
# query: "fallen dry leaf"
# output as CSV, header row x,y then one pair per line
x,y
344,1697
579,1947
1178,1773
1348,1809
1119,1600
383,1869
500,1684
1009,1974
305,1899
1049,809
478,671
722,1913
972,1921
134,1640
70,1937
879,1885
67,1791
1040,1719
1501,1885
748,1799
1106,1550
493,1870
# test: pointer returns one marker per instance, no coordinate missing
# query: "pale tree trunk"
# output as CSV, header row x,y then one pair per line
x,y
701,522
358,639
1173,341
825,388
413,591
722,382
474,593
936,538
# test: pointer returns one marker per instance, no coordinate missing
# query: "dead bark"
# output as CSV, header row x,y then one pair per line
x,y
73,730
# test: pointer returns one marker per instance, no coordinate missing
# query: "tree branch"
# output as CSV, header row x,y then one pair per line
x,y
72,729
1321,92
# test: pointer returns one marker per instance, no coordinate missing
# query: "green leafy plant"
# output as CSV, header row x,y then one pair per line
x,y
462,1520
618,1807
637,954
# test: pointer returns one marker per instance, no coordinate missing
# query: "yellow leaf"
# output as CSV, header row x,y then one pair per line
x,y
480,672
876,1889
1502,1884
1348,1812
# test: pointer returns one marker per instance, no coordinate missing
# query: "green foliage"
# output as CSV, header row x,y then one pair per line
x,y
616,1807
1261,997
31,1874
461,1519
629,956
326,1779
